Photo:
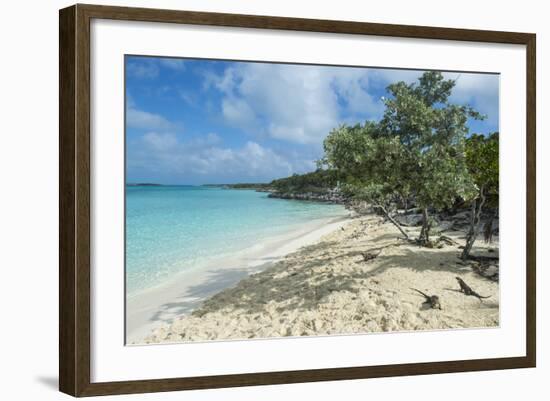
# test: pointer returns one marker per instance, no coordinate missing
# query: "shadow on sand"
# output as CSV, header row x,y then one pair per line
x,y
304,281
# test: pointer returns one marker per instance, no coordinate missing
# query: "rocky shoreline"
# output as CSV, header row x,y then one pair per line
x,y
331,196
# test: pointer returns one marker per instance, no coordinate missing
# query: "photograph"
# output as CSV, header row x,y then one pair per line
x,y
267,200
242,200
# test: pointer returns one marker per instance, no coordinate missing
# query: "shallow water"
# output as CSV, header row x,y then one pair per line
x,y
170,229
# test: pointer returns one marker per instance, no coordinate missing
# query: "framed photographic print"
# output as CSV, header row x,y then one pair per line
x,y
250,200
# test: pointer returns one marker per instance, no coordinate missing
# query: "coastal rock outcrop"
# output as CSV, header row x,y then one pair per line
x,y
333,196
409,220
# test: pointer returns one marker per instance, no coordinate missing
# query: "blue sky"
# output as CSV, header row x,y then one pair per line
x,y
201,121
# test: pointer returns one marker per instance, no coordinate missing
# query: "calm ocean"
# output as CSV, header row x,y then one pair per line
x,y
170,229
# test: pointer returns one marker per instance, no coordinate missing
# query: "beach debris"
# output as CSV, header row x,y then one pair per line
x,y
467,290
447,240
440,242
486,270
432,300
485,266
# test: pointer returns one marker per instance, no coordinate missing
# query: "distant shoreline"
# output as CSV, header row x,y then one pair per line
x,y
326,196
233,186
144,184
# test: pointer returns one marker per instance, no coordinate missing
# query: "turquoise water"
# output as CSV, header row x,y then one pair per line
x,y
170,229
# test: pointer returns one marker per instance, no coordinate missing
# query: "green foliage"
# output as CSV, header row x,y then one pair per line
x,y
368,164
256,186
433,133
482,161
419,150
416,150
442,177
316,182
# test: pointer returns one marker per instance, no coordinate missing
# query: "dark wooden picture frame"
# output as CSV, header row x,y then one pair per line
x,y
74,199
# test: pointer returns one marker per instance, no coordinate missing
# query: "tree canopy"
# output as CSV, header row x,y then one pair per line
x,y
316,182
482,161
417,149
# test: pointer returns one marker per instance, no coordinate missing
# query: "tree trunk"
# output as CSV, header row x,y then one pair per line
x,y
488,230
395,223
424,237
474,225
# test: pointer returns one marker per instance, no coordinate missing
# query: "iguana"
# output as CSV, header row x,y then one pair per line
x,y
465,288
367,256
433,300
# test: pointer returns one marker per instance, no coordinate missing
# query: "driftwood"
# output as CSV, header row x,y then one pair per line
x,y
485,266
447,240
489,271
440,242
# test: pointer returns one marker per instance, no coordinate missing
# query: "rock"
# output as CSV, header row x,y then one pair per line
x,y
491,270
444,225
464,215
495,227
331,196
409,219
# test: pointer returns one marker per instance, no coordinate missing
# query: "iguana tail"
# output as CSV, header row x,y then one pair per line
x,y
425,296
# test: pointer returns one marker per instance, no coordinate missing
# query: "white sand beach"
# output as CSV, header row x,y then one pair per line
x,y
323,286
154,307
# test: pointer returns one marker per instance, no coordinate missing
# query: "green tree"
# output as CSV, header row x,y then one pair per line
x,y
369,165
319,181
432,133
482,161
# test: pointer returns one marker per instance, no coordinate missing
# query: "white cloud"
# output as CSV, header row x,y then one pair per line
x,y
160,142
480,91
145,68
148,68
239,112
299,104
172,63
145,120
167,154
190,98
388,76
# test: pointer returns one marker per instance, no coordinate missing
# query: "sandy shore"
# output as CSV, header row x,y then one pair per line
x,y
327,288
147,310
